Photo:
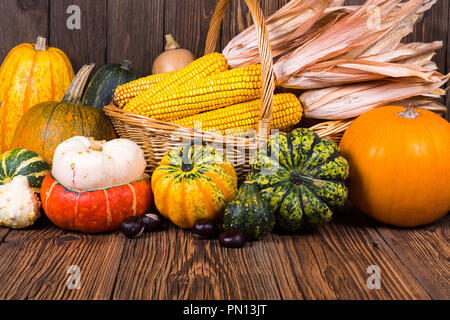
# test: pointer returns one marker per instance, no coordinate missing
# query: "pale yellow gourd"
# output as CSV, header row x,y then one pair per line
x,y
19,204
173,58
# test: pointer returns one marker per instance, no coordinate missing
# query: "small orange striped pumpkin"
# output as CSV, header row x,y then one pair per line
x,y
192,183
29,75
94,211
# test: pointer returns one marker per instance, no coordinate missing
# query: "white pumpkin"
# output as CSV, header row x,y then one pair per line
x,y
19,204
82,164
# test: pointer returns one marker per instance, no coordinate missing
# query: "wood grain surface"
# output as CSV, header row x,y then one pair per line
x,y
22,21
172,264
86,45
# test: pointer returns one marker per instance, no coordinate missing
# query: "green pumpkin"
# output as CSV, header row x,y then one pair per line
x,y
303,178
101,88
250,213
21,162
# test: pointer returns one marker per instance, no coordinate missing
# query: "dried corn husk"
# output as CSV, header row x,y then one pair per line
x,y
350,33
350,61
404,52
337,3
412,60
353,71
392,38
343,102
286,28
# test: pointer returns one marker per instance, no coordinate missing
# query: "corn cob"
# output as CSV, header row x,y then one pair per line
x,y
124,93
237,119
210,93
205,66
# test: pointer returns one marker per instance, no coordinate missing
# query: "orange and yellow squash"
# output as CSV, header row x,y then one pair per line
x,y
29,75
399,165
193,183
46,125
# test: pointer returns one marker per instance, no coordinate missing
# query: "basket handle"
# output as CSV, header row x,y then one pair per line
x,y
265,52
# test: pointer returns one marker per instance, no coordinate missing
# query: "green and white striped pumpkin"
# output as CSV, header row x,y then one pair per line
x,y
303,178
21,162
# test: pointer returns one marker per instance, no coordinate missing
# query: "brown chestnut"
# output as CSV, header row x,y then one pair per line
x,y
233,239
152,222
132,227
205,228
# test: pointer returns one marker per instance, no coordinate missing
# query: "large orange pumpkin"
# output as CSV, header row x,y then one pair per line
x,y
30,74
399,165
46,125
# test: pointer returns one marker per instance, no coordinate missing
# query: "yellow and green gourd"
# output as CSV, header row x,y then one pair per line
x,y
30,74
21,162
192,183
250,213
303,178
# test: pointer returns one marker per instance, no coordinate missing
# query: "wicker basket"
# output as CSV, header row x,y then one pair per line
x,y
156,138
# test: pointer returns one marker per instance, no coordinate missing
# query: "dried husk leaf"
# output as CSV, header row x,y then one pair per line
x,y
413,61
403,52
337,3
360,71
343,102
392,38
349,33
285,27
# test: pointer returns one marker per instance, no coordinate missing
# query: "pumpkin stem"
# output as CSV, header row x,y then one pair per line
x,y
297,179
41,44
96,145
187,167
76,88
171,44
409,113
126,64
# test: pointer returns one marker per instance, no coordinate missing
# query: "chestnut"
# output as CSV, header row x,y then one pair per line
x,y
205,228
233,239
132,227
152,222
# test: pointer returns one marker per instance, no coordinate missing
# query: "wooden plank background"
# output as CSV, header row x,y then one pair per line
x,y
114,30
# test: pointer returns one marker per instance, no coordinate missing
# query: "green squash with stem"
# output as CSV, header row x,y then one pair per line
x,y
303,178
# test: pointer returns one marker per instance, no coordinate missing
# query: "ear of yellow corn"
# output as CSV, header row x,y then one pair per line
x,y
237,119
205,66
209,93
124,93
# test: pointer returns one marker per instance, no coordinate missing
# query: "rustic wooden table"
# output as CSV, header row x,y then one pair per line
x,y
329,263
